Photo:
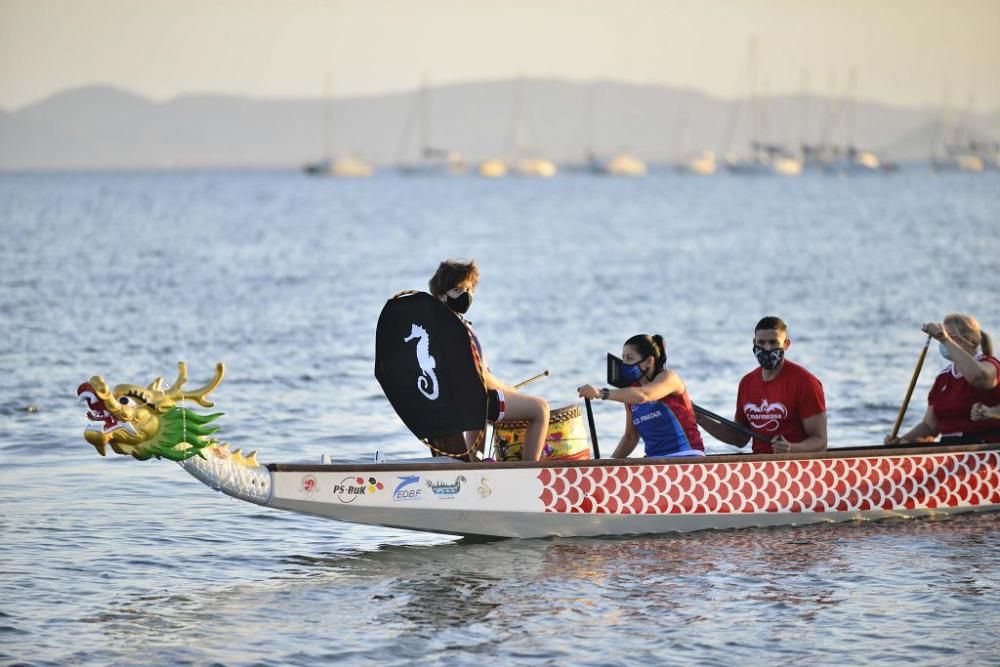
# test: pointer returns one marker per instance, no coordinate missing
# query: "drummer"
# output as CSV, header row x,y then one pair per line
x,y
657,406
454,283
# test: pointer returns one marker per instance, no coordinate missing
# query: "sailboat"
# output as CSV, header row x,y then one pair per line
x,y
958,155
853,160
702,163
535,166
492,168
622,163
821,154
344,166
988,152
431,160
526,162
765,157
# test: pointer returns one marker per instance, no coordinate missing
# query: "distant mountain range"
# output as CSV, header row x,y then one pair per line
x,y
105,127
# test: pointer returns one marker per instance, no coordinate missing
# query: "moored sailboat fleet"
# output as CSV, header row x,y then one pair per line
x,y
521,155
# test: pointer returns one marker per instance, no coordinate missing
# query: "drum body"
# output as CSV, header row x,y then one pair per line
x,y
566,439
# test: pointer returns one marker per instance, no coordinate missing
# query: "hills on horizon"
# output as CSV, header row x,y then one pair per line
x,y
101,127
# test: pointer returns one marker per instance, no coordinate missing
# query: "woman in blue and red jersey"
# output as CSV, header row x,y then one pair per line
x,y
971,378
657,407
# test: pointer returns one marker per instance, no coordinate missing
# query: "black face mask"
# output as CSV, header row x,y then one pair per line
x,y
768,359
461,303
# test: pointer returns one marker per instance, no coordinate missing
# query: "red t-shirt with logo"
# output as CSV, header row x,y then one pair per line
x,y
952,399
778,406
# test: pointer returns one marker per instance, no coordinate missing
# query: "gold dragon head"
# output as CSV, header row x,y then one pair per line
x,y
149,421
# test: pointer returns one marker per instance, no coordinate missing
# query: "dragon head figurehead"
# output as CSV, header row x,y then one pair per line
x,y
149,421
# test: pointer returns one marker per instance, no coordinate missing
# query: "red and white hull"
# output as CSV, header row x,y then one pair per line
x,y
643,496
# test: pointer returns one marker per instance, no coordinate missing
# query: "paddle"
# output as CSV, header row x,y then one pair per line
x,y
593,429
731,424
909,391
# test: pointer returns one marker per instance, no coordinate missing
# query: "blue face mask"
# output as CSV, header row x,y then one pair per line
x,y
631,372
945,352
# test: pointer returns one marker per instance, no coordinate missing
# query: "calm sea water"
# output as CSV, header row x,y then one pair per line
x,y
282,277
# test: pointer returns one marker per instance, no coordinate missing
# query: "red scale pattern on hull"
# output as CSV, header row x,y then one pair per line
x,y
821,485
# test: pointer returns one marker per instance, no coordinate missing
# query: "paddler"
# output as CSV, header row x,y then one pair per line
x,y
971,377
657,407
780,399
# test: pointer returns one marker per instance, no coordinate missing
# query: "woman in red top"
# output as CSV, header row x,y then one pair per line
x,y
970,378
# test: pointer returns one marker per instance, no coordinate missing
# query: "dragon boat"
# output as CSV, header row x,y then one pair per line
x,y
555,497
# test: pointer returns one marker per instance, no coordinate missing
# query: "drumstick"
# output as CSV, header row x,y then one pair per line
x,y
543,374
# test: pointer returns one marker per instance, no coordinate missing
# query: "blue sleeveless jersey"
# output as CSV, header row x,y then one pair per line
x,y
659,429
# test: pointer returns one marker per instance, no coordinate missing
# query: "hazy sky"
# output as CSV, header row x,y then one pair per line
x,y
904,50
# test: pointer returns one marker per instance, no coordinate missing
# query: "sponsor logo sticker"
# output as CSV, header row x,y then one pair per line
x,y
446,490
349,488
309,485
407,489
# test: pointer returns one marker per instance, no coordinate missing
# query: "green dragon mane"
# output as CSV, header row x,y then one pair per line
x,y
183,433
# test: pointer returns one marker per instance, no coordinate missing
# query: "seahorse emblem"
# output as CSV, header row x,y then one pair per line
x,y
427,383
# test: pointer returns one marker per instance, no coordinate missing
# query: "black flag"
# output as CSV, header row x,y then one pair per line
x,y
425,362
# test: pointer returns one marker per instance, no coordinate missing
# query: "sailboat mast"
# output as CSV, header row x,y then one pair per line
x,y
804,111
425,121
946,129
852,102
588,122
518,138
755,112
328,116
832,110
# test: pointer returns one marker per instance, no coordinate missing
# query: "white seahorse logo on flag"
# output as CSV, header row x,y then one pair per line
x,y
427,383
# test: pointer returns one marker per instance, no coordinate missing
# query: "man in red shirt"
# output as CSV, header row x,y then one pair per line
x,y
780,400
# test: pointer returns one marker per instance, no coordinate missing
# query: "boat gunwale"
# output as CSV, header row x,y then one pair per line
x,y
839,453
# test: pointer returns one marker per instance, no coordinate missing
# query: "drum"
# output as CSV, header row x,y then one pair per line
x,y
565,441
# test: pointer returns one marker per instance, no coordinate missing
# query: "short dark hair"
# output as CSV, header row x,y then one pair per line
x,y
772,322
451,273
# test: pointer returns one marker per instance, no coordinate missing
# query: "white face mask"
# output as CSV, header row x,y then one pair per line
x,y
945,352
